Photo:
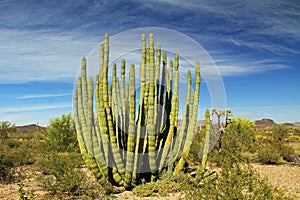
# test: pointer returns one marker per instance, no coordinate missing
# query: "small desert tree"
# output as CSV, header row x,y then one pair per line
x,y
238,138
5,128
60,133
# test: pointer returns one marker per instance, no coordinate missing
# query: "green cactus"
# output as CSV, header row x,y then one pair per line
x,y
206,144
122,144
192,123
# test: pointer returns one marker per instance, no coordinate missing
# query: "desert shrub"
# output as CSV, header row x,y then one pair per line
x,y
297,131
268,155
279,132
232,182
60,134
12,144
240,135
62,174
294,138
6,128
273,149
161,187
13,154
6,164
238,140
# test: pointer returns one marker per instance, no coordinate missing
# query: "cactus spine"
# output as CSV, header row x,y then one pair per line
x,y
119,147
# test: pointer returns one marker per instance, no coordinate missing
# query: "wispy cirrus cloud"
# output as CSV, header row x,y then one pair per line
x,y
35,96
46,40
41,114
34,108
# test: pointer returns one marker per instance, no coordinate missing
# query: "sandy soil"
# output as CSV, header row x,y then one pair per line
x,y
284,176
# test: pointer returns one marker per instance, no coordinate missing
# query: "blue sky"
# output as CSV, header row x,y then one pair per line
x,y
255,45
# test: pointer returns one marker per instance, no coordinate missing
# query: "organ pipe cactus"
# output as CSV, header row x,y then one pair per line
x,y
126,141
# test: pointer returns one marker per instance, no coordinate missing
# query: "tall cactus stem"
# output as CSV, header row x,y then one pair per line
x,y
206,145
192,123
131,131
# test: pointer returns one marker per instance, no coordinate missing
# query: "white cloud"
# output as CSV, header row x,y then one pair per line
x,y
37,55
34,96
34,108
35,46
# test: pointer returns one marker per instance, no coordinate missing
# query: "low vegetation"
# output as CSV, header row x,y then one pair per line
x,y
274,148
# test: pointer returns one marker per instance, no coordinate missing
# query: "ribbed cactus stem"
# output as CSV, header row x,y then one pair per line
x,y
84,82
81,128
140,124
163,91
123,103
206,144
192,123
131,131
90,116
151,116
173,115
170,83
185,121
115,105
157,108
78,126
111,129
176,66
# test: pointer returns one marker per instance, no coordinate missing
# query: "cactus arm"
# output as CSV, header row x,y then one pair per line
x,y
123,103
161,120
151,123
132,132
114,104
157,108
173,113
206,145
192,123
112,137
80,124
185,121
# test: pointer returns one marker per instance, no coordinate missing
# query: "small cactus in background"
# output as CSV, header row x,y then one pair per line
x,y
126,141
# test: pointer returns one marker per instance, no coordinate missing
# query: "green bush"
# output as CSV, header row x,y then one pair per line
x,y
13,154
6,128
273,150
162,187
60,134
268,155
6,164
240,135
232,182
62,174
237,141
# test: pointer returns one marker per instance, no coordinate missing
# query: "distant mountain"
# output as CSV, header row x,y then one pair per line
x,y
296,124
31,128
288,124
263,123
268,123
